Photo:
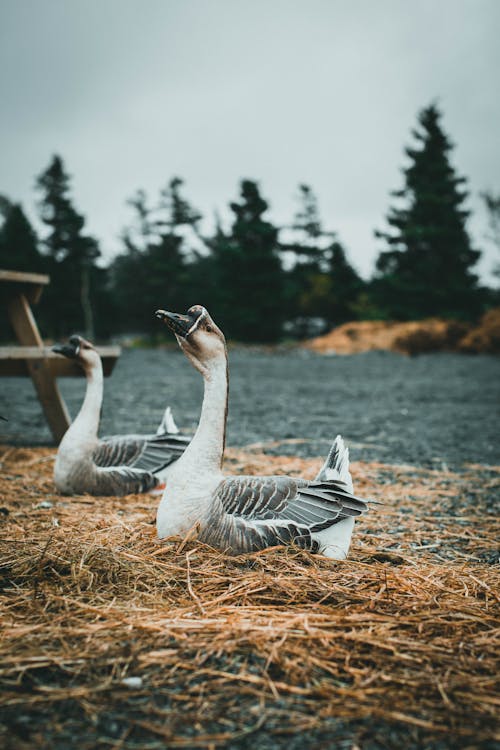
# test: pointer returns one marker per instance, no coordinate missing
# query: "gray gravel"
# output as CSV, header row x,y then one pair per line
x,y
430,410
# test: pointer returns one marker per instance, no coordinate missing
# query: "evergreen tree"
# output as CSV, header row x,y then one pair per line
x,y
18,241
307,223
305,250
248,293
492,204
321,283
71,255
18,247
5,206
130,273
172,255
155,260
177,210
427,268
340,290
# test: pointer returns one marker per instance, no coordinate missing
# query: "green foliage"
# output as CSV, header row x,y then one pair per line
x,y
364,306
18,241
76,282
307,223
18,247
154,270
178,212
257,279
344,288
248,284
321,283
492,204
427,268
304,281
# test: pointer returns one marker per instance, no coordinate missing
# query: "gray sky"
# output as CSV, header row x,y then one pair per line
x,y
132,92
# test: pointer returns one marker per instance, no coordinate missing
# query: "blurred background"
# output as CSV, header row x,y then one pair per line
x,y
290,165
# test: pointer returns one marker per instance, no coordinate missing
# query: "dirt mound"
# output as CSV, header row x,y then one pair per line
x,y
431,336
413,337
485,338
118,640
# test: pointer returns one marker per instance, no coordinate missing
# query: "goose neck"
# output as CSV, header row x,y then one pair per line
x,y
87,421
209,440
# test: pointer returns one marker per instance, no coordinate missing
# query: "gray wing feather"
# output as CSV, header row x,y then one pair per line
x,y
144,452
251,513
122,480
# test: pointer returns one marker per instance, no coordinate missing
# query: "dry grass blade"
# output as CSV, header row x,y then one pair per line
x,y
403,639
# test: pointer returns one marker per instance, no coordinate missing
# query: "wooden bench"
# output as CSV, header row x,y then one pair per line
x,y
18,291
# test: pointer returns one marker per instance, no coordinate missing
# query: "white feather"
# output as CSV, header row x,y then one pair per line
x,y
167,424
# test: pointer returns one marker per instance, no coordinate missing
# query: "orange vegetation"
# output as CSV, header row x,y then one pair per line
x,y
485,337
413,337
408,338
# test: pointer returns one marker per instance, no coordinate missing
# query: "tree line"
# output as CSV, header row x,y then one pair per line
x,y
261,282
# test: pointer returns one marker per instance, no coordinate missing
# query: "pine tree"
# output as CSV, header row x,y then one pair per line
x,y
492,205
5,206
155,260
304,253
427,268
307,224
321,283
18,247
72,254
344,287
249,291
177,210
18,241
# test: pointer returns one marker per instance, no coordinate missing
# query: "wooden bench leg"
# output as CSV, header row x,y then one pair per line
x,y
27,333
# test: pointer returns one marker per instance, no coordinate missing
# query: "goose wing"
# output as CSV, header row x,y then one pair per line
x,y
122,480
150,453
251,513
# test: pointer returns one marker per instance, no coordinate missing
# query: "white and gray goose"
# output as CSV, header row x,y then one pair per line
x,y
246,513
117,465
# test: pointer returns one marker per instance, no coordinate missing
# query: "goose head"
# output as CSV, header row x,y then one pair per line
x,y
199,337
79,349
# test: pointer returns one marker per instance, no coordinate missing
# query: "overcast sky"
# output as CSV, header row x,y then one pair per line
x,y
132,92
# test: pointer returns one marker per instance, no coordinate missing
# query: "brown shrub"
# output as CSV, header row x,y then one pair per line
x,y
431,336
413,337
485,337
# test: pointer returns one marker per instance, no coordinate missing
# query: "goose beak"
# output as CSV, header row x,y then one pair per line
x,y
181,325
64,349
70,350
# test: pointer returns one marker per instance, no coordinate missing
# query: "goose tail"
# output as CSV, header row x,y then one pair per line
x,y
336,465
167,425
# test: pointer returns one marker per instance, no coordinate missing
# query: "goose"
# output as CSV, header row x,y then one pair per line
x,y
117,465
241,514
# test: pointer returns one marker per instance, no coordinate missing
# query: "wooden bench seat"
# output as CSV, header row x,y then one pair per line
x,y
14,361
29,284
18,291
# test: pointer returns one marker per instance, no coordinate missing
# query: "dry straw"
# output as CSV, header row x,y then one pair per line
x,y
112,639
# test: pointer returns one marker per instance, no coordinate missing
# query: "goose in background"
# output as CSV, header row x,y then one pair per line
x,y
245,513
117,465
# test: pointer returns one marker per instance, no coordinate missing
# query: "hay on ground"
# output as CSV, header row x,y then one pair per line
x,y
113,639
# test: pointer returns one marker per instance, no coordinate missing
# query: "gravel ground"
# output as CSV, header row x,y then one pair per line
x,y
432,410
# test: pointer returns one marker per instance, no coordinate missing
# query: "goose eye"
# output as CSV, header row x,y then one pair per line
x,y
209,328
